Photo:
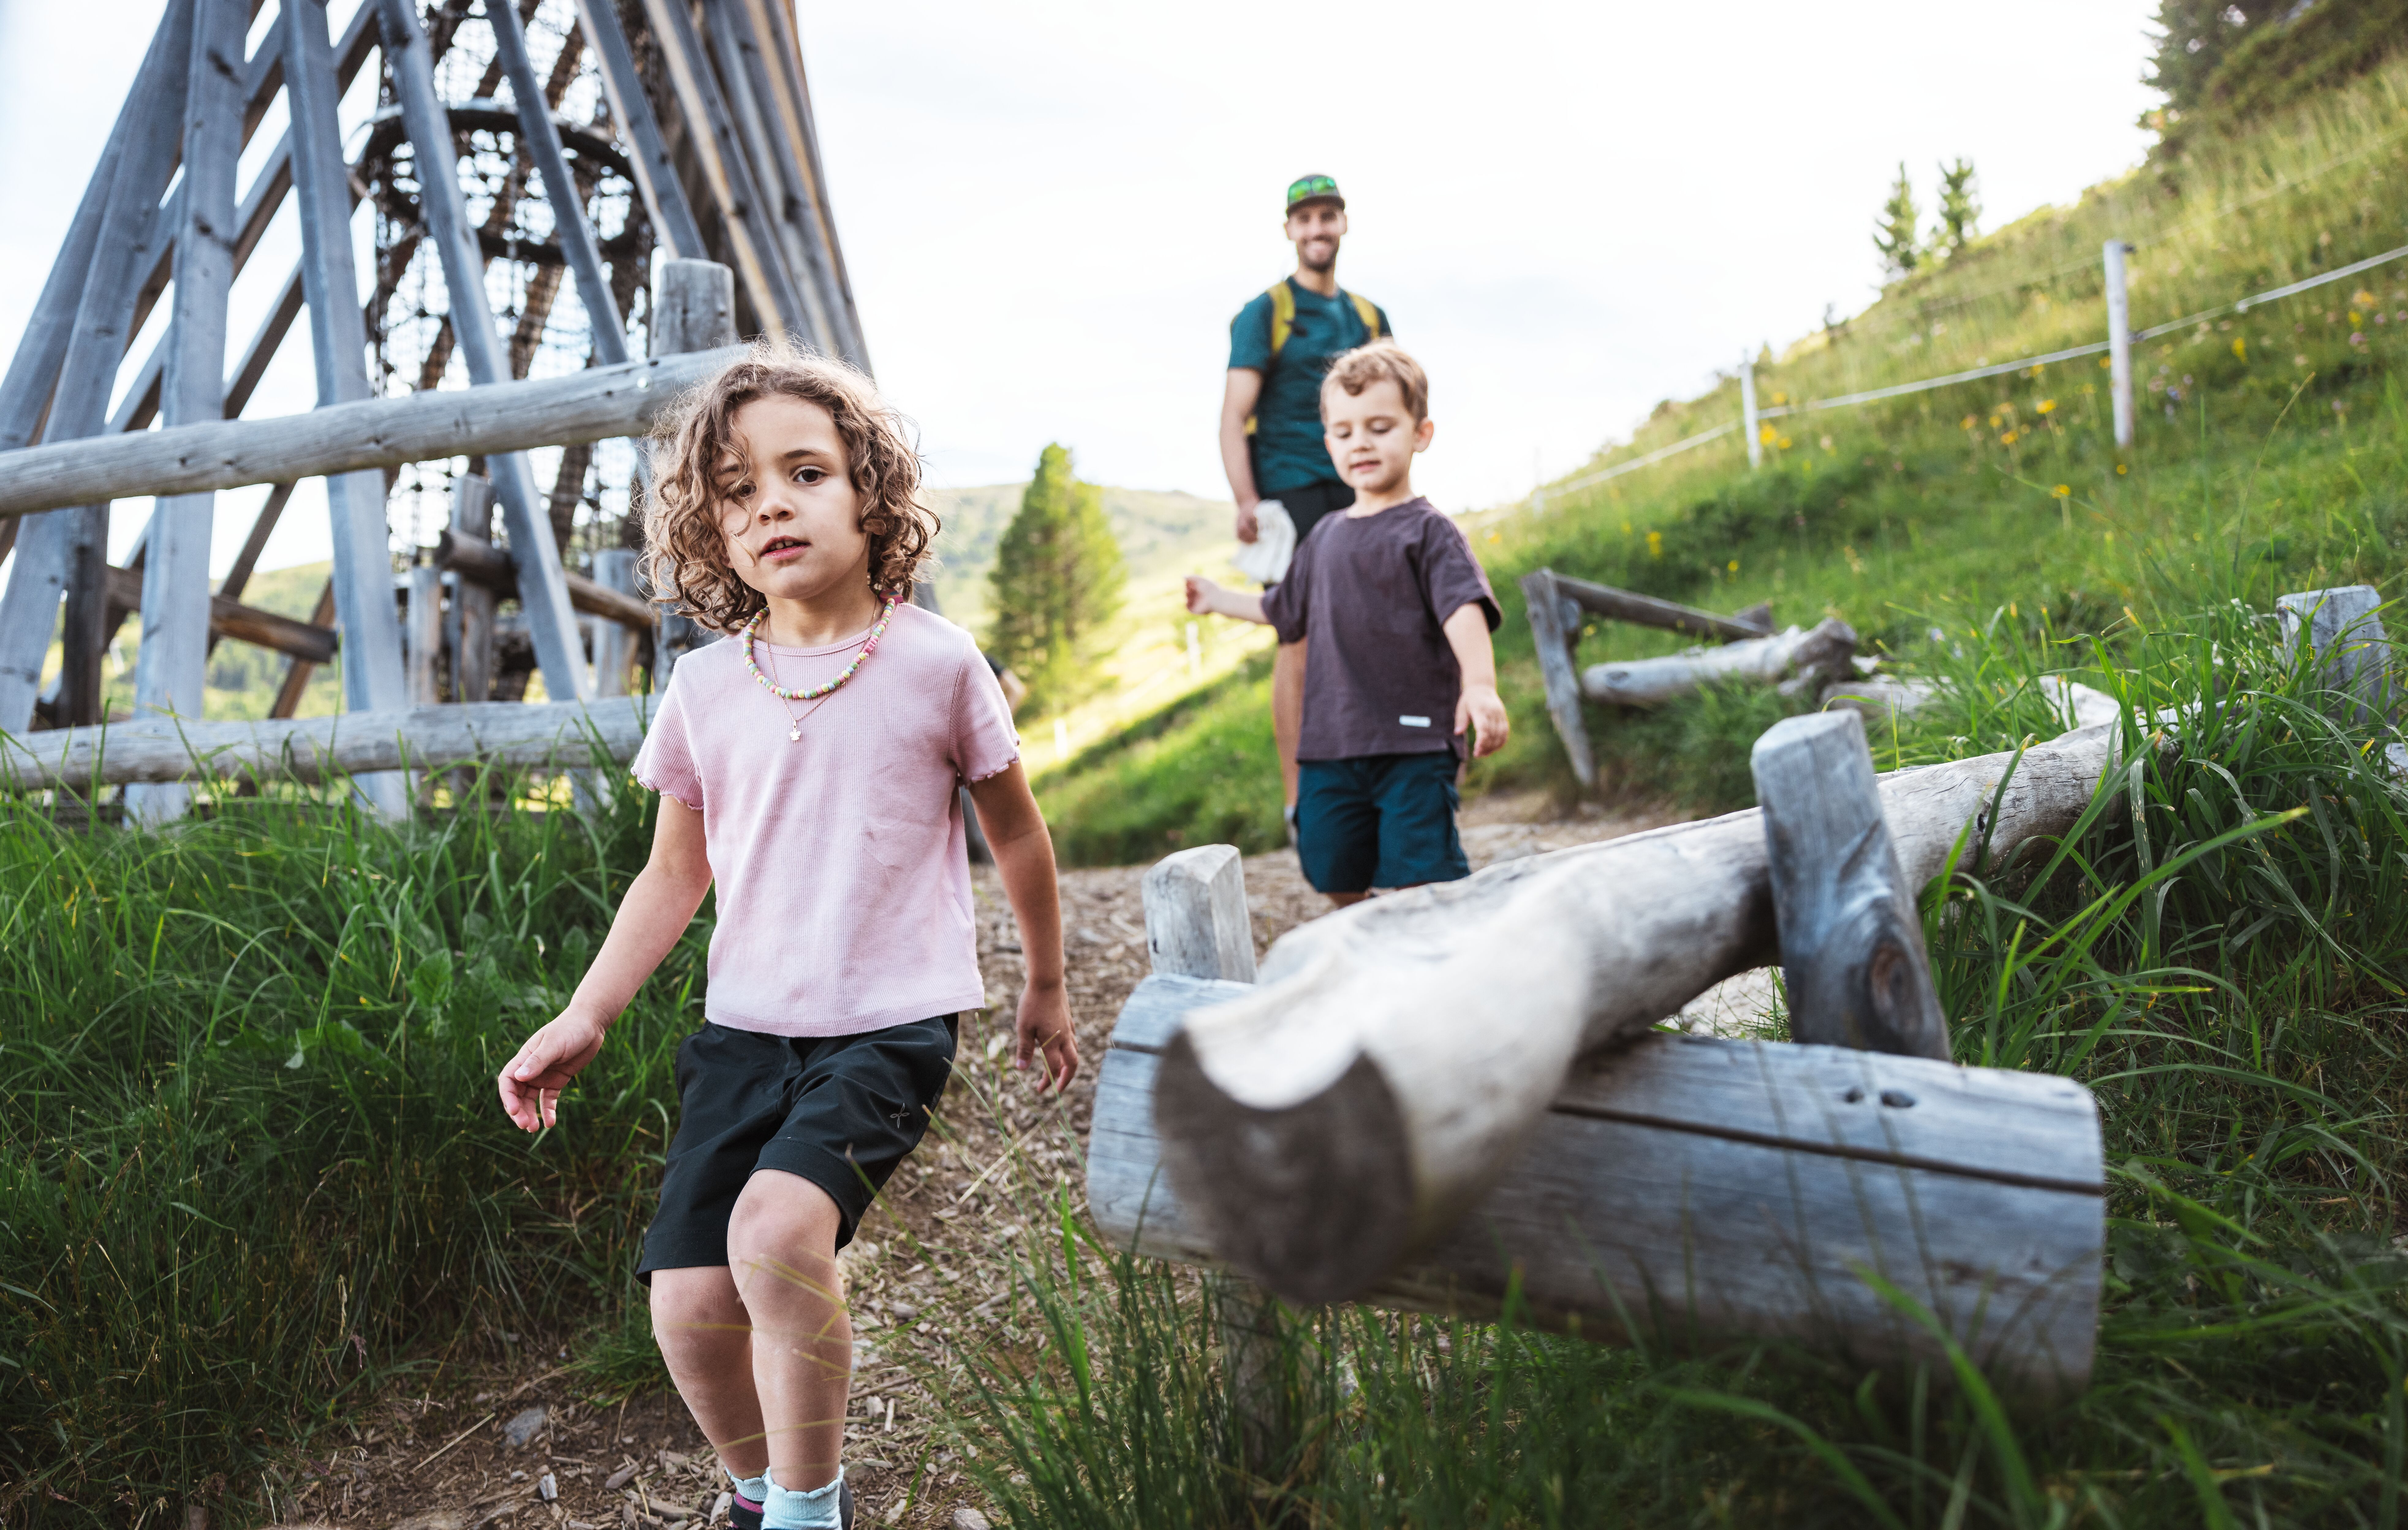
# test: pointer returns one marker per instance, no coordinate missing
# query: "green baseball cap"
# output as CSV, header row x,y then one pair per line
x,y
1314,188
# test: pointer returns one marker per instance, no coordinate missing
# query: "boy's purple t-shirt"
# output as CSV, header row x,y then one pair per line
x,y
841,862
1373,593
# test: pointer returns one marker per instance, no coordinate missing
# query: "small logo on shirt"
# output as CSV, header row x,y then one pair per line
x,y
1415,722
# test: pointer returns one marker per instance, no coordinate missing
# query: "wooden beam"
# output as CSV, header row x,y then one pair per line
x,y
777,180
1341,1117
571,229
1647,610
1851,956
693,310
550,622
472,604
615,641
354,744
1543,602
482,563
631,113
1692,1191
296,674
1809,657
423,636
228,619
773,24
356,436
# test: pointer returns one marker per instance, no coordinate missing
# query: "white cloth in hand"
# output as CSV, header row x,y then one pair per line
x,y
1265,559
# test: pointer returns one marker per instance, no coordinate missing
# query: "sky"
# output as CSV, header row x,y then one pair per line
x,y
1051,211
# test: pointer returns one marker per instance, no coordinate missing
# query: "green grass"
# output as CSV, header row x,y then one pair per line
x,y
250,1168
2218,954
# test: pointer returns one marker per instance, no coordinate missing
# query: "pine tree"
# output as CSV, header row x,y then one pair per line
x,y
1057,580
1895,235
1960,206
2194,36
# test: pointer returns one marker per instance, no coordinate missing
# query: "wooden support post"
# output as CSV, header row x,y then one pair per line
x,y
1396,1054
1748,420
424,635
1545,609
570,228
631,113
297,675
1689,1190
472,604
773,24
362,582
693,308
777,179
2119,340
2344,627
711,133
172,664
1852,954
615,643
542,592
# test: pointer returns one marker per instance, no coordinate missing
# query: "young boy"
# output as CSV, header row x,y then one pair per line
x,y
1396,614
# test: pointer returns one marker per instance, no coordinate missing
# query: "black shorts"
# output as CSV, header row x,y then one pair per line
x,y
1378,821
839,1111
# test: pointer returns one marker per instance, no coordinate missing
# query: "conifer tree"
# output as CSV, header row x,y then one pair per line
x,y
1057,579
1960,205
1896,234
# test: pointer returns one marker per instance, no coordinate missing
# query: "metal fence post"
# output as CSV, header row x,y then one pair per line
x,y
2119,340
1747,413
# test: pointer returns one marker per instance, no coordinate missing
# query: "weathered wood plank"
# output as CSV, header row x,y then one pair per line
x,y
480,562
231,618
1543,602
472,604
1815,655
555,733
352,436
1692,1189
631,113
615,642
2346,639
1344,1114
1197,924
1851,956
1648,610
542,140
693,310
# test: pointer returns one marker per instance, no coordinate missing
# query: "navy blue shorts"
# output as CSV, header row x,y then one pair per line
x,y
839,1111
1378,821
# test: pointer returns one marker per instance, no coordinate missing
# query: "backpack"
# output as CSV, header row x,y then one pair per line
x,y
1282,298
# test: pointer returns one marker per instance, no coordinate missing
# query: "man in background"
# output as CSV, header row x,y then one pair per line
x,y
1280,344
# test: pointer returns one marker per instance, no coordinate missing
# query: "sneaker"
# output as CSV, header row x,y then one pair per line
x,y
744,1514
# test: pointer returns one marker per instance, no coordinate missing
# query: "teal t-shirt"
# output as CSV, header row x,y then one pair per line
x,y
1288,452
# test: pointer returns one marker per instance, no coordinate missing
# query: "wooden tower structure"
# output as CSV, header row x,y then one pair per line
x,y
518,169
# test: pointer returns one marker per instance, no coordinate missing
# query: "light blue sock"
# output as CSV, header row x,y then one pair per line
x,y
750,1489
818,1510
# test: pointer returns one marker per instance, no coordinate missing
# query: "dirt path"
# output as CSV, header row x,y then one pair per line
x,y
927,1271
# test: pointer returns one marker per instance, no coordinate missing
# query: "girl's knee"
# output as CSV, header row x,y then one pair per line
x,y
695,1313
783,1220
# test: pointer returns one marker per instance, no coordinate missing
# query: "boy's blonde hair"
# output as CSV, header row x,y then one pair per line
x,y
1381,361
685,557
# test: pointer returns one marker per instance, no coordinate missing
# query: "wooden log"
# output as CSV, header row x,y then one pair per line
x,y
557,733
1647,610
472,604
1851,955
615,642
2344,633
482,563
1543,599
1691,1191
1813,656
1396,1054
1883,698
745,86
542,139
693,308
781,50
297,674
1196,918
423,635
233,620
352,437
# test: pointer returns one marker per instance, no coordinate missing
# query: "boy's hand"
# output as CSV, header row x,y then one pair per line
x,y
552,1057
1481,708
1045,1024
1200,591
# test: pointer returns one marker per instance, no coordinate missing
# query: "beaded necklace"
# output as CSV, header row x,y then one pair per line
x,y
813,693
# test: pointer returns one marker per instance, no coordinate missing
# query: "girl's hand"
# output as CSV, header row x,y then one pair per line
x,y
1045,1025
552,1057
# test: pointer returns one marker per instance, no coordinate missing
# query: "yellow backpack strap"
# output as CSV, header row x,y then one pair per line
x,y
1370,312
1282,315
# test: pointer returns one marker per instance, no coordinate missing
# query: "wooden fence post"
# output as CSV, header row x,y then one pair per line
x,y
693,308
422,639
614,645
2119,340
1852,952
1748,419
472,604
2346,643
1545,605
1196,925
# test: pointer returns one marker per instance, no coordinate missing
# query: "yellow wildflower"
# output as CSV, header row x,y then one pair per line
x,y
1766,434
2062,490
2007,440
2047,406
1732,566
1783,443
1971,420
1655,545
2241,347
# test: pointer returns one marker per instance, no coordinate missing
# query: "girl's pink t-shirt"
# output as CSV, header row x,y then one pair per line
x,y
839,858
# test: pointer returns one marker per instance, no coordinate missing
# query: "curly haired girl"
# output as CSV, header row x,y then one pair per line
x,y
808,765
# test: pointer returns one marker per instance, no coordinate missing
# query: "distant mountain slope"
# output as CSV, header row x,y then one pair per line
x,y
1159,532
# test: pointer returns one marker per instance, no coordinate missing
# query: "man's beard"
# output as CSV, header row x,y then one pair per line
x,y
1304,256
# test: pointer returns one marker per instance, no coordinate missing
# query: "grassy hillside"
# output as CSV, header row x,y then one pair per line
x,y
1161,534
2268,448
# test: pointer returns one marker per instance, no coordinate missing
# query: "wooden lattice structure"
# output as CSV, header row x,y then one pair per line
x,y
524,162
